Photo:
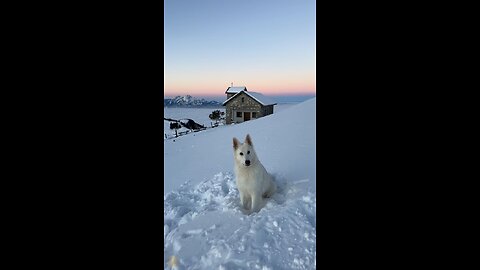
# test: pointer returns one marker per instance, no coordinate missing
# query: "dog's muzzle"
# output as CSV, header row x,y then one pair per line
x,y
247,162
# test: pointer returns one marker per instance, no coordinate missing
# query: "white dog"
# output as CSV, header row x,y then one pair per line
x,y
253,181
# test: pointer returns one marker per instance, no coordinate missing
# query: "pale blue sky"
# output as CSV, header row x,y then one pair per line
x,y
266,45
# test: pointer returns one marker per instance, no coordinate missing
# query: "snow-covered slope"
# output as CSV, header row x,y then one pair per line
x,y
205,227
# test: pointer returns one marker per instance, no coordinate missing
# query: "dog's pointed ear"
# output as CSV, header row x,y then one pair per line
x,y
248,139
236,143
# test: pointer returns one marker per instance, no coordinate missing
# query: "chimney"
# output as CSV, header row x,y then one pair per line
x,y
232,84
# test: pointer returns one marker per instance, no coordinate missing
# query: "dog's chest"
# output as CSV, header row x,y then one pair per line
x,y
248,179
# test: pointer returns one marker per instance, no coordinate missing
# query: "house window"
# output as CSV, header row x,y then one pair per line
x,y
254,114
239,114
243,99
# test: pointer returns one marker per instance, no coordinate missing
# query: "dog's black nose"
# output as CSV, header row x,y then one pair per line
x,y
247,162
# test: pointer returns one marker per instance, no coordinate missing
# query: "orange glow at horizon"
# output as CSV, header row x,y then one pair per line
x,y
277,86
221,91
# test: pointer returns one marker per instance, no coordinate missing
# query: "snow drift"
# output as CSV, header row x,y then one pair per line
x,y
205,227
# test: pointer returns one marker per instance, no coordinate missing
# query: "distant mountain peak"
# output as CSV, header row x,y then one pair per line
x,y
189,101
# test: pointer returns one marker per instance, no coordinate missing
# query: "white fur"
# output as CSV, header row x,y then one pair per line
x,y
253,181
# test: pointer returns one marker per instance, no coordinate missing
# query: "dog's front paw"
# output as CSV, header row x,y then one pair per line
x,y
246,212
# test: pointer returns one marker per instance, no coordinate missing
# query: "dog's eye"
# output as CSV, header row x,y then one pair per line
x,y
248,152
241,154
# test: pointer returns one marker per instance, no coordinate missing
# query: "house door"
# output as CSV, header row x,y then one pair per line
x,y
246,116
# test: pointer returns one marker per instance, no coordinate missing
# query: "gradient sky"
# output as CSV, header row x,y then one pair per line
x,y
266,45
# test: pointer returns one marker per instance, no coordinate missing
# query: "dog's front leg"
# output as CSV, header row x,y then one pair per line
x,y
256,201
243,200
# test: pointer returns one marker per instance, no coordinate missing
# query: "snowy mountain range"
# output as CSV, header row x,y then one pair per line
x,y
189,101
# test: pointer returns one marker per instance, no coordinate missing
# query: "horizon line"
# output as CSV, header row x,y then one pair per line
x,y
223,94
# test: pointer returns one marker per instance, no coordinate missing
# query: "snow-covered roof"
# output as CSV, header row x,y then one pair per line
x,y
235,89
256,96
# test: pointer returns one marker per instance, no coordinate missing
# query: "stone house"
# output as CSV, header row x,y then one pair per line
x,y
242,105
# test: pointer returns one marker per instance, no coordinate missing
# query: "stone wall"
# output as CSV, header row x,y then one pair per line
x,y
267,110
236,104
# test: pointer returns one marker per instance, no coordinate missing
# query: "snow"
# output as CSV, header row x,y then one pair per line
x,y
256,96
199,115
235,89
261,98
205,227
